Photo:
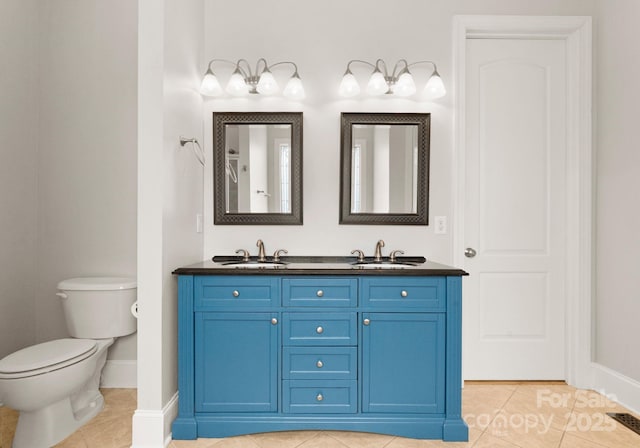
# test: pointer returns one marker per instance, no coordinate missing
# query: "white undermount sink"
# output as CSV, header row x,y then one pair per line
x,y
254,264
397,265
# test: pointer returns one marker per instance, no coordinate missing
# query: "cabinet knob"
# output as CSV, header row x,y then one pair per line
x,y
235,293
319,397
274,321
320,293
366,321
319,330
404,293
319,364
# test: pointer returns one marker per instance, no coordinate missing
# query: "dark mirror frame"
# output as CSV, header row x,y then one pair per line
x,y
423,121
220,120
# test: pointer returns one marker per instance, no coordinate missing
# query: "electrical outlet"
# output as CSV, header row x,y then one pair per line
x,y
440,225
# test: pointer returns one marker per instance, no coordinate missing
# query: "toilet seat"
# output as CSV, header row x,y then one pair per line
x,y
46,357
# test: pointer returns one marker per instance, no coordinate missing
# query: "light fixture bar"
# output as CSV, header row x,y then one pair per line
x,y
244,81
399,82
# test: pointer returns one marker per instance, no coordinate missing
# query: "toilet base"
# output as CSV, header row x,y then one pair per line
x,y
55,423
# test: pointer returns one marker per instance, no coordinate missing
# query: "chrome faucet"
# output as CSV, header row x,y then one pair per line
x,y
377,256
261,255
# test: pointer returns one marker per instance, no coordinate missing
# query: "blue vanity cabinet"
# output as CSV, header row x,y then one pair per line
x,y
299,350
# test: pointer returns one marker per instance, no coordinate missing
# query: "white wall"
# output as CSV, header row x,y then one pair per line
x,y
169,197
321,37
86,151
18,172
618,160
183,174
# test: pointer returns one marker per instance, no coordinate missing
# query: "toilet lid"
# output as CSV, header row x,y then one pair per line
x,y
45,357
97,284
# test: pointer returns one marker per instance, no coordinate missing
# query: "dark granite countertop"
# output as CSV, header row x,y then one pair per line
x,y
310,265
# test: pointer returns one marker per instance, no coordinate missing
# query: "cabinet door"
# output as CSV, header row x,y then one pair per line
x,y
403,362
236,362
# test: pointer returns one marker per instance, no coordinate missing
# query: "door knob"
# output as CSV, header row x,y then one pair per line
x,y
469,252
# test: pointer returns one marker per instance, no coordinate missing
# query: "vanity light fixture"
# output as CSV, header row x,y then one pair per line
x,y
243,81
400,82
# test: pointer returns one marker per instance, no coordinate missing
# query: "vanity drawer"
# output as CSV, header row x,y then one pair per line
x,y
320,397
319,329
236,292
320,292
424,293
312,363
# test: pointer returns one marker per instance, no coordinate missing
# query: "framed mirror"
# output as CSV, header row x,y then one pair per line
x,y
384,168
257,167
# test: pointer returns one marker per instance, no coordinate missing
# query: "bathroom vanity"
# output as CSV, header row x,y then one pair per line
x,y
319,344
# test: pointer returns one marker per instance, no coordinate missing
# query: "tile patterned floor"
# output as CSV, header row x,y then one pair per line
x,y
500,415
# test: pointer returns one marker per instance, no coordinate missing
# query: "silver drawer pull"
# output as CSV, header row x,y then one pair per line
x,y
319,397
236,293
319,330
274,321
319,364
404,293
366,321
320,293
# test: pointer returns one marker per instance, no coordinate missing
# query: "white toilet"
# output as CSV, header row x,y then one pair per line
x,y
54,385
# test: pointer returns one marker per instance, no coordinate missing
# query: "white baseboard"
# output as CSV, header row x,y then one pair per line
x,y
120,374
617,387
152,429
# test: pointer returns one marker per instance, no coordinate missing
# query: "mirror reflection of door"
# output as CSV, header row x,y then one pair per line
x,y
258,168
384,170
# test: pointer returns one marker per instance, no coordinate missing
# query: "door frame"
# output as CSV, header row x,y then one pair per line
x,y
576,31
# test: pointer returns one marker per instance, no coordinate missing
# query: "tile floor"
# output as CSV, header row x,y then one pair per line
x,y
500,415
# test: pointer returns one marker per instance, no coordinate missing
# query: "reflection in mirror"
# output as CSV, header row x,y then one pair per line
x,y
385,169
257,168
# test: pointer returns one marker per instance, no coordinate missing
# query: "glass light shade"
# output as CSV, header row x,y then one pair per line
x,y
404,86
236,85
435,87
349,86
210,85
377,84
267,84
294,89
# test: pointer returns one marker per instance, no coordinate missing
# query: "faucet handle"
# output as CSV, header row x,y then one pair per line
x,y
276,254
245,254
359,253
392,255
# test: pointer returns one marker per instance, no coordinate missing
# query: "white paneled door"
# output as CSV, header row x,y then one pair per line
x,y
515,202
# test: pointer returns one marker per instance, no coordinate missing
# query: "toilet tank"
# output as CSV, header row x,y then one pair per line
x,y
99,307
